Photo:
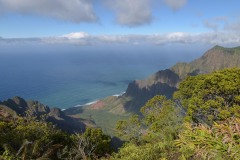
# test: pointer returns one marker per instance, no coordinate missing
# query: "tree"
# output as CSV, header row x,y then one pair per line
x,y
212,127
100,140
162,117
90,144
130,130
152,136
82,148
25,139
211,97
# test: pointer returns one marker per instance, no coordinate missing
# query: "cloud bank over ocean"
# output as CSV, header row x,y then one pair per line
x,y
86,39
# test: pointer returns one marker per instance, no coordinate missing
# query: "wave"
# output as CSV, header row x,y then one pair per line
x,y
86,104
118,95
90,103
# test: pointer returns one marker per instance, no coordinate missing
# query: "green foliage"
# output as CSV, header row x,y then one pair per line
x,y
102,118
30,139
144,152
99,140
153,107
211,97
208,99
162,117
152,136
27,139
92,144
222,141
130,130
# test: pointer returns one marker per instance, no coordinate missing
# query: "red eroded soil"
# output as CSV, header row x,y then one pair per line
x,y
97,105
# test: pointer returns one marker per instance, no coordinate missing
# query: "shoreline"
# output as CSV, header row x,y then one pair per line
x,y
95,101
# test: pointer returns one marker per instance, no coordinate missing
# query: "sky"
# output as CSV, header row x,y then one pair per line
x,y
132,22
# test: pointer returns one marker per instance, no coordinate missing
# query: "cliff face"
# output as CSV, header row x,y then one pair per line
x,y
162,77
161,83
18,107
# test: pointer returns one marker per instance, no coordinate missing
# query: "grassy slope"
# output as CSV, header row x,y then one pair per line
x,y
102,118
106,116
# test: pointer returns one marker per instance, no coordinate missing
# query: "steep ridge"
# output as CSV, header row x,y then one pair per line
x,y
165,82
18,107
214,59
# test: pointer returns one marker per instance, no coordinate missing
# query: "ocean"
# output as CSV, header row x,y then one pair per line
x,y
67,76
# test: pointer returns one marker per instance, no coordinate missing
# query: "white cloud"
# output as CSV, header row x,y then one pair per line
x,y
220,38
70,10
175,4
76,35
132,13
175,35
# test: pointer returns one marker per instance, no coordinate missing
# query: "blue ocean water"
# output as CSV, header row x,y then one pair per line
x,y
68,76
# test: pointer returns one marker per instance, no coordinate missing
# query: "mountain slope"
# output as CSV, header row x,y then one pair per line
x,y
214,59
164,82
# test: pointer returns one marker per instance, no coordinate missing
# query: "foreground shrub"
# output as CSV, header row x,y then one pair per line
x,y
222,141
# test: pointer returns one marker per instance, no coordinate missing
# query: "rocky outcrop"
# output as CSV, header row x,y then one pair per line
x,y
24,108
37,109
57,113
158,83
17,106
141,95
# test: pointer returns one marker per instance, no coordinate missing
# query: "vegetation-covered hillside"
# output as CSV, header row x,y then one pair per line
x,y
202,121
29,138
